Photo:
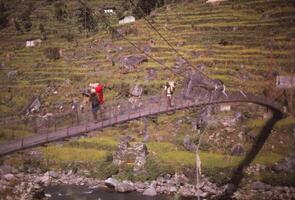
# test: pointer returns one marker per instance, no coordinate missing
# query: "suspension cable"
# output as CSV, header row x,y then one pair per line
x,y
140,50
168,43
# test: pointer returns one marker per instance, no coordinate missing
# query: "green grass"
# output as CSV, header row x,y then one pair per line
x,y
98,142
70,154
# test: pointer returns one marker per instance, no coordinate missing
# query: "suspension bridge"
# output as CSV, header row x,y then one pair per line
x,y
117,113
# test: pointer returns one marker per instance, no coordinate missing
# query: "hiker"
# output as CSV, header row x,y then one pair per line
x,y
91,96
95,103
99,90
169,89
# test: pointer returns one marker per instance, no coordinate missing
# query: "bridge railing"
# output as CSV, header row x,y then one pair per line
x,y
75,122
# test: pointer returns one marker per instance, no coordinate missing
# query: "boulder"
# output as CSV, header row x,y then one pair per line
x,y
136,90
9,177
125,186
129,63
237,150
12,74
260,186
111,182
188,144
151,191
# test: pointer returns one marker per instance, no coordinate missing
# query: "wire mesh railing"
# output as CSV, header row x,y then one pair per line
x,y
76,122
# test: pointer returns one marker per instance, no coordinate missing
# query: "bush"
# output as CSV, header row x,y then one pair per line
x,y
220,176
155,168
105,170
52,53
60,11
280,179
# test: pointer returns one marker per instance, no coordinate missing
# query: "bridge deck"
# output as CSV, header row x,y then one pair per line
x,y
125,111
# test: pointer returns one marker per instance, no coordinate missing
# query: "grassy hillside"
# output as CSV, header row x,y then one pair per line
x,y
243,43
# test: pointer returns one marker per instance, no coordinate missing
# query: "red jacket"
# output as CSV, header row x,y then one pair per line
x,y
99,91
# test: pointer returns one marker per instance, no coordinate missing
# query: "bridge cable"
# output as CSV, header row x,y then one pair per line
x,y
169,44
140,50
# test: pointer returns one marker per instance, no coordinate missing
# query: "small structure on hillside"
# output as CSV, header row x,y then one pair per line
x,y
109,10
225,107
127,20
214,1
33,43
285,81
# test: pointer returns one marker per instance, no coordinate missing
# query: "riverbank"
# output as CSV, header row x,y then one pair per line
x,y
27,186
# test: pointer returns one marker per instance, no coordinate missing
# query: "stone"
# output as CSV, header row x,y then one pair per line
x,y
131,62
237,150
12,74
151,74
126,186
260,186
111,182
188,144
151,191
136,90
9,177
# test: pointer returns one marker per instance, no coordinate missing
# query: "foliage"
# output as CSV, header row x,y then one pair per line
x,y
220,176
52,53
86,18
278,179
154,168
60,11
42,32
104,170
24,18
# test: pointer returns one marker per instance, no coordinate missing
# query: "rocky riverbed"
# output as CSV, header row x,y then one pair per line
x,y
19,185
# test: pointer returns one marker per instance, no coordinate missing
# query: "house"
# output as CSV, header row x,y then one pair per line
x,y
33,43
225,107
127,19
285,81
109,10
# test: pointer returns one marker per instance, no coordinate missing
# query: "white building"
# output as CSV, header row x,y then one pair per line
x,y
127,19
109,10
33,43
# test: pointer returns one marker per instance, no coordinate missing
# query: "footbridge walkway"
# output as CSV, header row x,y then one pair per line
x,y
121,112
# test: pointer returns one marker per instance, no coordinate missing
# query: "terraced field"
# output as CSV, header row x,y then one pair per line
x,y
244,43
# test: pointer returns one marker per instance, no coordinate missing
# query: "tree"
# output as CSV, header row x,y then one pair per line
x,y
86,18
3,16
60,11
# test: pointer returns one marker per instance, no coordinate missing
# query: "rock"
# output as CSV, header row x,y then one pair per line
x,y
136,90
126,186
34,106
130,63
188,144
151,191
111,182
260,186
12,74
151,74
9,177
127,154
237,150
186,192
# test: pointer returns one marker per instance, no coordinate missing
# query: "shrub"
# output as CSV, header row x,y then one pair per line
x,y
220,176
280,179
52,53
155,168
60,11
105,170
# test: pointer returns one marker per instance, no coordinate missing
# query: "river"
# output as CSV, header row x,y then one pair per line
x,y
71,192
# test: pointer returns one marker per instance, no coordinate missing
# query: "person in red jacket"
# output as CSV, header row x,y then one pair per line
x,y
99,91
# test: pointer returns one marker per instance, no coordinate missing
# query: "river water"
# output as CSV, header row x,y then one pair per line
x,y
71,192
